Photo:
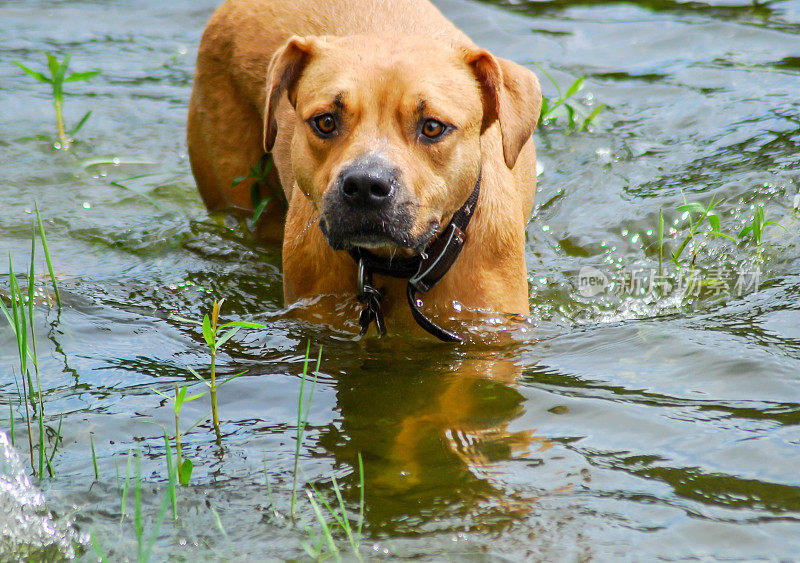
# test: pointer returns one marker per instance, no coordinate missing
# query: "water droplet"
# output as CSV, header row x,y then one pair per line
x,y
545,228
624,232
115,161
87,205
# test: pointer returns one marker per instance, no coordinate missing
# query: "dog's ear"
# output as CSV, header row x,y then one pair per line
x,y
511,94
284,70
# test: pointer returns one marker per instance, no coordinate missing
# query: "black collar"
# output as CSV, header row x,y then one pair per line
x,y
423,271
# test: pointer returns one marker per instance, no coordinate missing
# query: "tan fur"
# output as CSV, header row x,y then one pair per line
x,y
265,66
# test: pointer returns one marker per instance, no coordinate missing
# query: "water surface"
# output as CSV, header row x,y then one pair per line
x,y
629,424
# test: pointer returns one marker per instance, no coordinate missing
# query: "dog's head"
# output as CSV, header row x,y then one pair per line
x,y
387,142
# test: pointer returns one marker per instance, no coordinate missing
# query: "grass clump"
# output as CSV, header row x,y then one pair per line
x,y
144,543
58,77
704,220
333,517
562,107
23,327
216,335
258,173
184,466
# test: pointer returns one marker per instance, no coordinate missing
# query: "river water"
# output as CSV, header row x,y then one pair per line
x,y
634,415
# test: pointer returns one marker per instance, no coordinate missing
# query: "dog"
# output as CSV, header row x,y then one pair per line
x,y
385,123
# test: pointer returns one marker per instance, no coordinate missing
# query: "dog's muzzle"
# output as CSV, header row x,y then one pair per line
x,y
368,207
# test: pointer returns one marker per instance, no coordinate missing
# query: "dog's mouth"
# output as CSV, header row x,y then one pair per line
x,y
386,236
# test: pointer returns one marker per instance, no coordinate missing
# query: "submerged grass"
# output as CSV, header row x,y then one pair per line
x,y
302,418
23,327
144,543
335,516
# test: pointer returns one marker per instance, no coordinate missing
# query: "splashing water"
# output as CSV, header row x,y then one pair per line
x,y
27,529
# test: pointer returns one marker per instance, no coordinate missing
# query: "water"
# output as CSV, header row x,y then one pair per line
x,y
627,424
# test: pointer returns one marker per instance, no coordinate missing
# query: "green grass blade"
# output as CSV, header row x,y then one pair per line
x,y
544,110
154,390
193,426
125,489
231,378
185,320
147,198
269,486
243,324
43,238
692,207
198,376
30,72
11,421
59,439
145,555
208,332
171,475
227,336
18,309
345,522
80,124
591,117
570,117
62,69
326,531
75,77
179,398
218,521
97,549
775,224
94,458
9,318
185,474
713,220
262,205
138,524
300,428
573,89
547,74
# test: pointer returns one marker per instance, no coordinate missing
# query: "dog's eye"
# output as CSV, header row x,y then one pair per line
x,y
324,124
433,129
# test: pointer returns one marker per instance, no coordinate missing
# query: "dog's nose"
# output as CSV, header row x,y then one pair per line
x,y
372,187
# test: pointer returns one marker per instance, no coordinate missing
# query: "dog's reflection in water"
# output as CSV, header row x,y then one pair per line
x,y
432,437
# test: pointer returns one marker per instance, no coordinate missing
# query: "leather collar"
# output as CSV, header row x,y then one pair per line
x,y
423,271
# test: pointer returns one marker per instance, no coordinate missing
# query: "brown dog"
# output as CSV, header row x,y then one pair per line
x,y
381,118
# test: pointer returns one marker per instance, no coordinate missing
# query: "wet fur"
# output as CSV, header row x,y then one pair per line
x,y
263,62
